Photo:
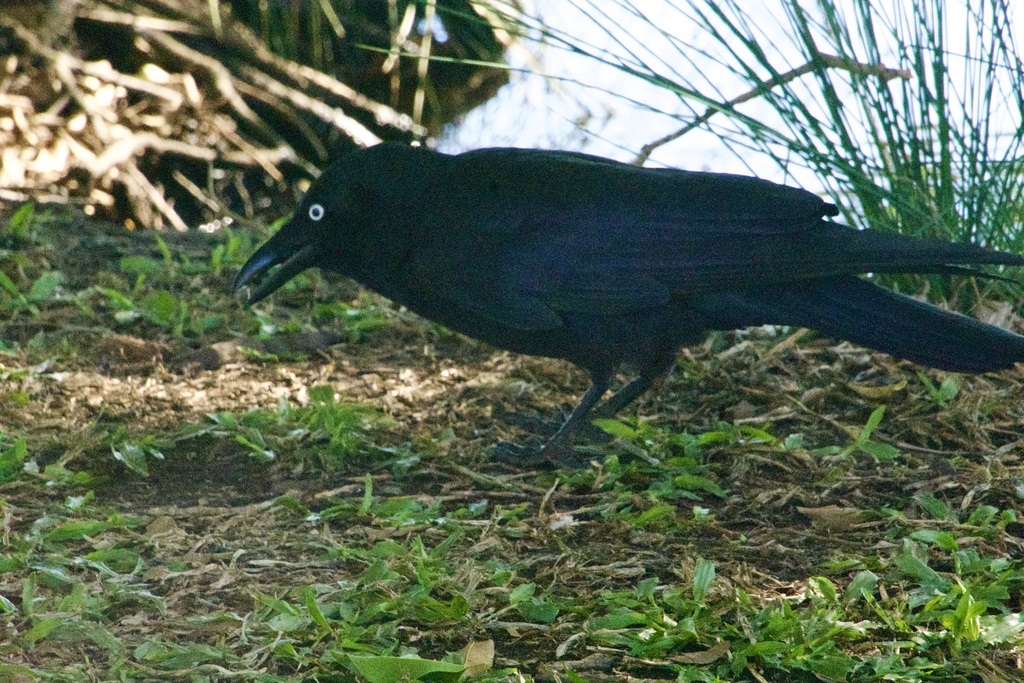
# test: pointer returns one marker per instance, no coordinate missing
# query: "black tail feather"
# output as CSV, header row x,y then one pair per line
x,y
879,251
856,310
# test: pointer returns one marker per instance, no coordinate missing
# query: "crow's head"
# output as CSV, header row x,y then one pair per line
x,y
353,220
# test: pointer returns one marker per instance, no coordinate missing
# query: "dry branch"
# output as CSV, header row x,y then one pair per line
x,y
884,73
200,129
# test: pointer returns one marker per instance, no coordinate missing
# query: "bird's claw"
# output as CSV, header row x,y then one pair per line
x,y
555,453
522,456
533,423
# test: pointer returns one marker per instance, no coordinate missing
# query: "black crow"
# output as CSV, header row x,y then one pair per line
x,y
605,264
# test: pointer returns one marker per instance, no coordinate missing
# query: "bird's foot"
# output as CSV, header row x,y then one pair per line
x,y
555,453
535,424
521,456
591,432
532,423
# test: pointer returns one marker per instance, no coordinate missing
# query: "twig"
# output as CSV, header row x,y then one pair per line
x,y
156,198
831,61
8,101
329,114
7,195
196,192
121,151
256,154
304,75
104,71
270,92
223,81
139,23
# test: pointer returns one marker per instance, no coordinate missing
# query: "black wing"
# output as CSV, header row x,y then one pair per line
x,y
552,232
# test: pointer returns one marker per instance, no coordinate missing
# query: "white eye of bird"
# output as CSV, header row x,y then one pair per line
x,y
316,212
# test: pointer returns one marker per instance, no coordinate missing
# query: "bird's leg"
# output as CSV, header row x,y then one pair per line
x,y
558,450
653,372
624,396
616,402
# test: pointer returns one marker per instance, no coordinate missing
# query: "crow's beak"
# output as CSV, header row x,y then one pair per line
x,y
284,250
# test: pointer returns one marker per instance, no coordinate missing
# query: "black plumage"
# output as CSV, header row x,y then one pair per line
x,y
604,264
